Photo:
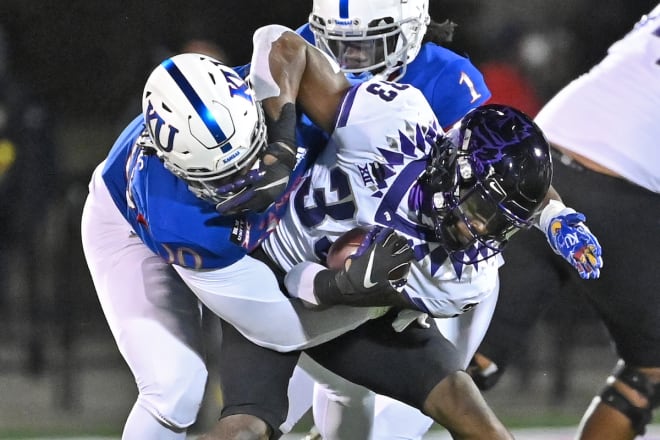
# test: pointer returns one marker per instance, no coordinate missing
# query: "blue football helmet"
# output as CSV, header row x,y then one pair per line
x,y
488,178
376,36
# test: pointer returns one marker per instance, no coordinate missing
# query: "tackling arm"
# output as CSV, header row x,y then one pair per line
x,y
285,70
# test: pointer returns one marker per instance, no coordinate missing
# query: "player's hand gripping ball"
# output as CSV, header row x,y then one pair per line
x,y
371,260
571,238
345,246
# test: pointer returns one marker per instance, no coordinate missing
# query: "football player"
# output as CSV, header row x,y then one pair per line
x,y
152,206
458,198
398,41
604,133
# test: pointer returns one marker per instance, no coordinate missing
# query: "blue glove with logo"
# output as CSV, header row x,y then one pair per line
x,y
571,238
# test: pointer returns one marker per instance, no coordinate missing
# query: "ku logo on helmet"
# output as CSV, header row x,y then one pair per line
x,y
155,123
237,87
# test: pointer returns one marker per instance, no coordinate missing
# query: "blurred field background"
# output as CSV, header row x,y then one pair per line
x,y
60,373
88,392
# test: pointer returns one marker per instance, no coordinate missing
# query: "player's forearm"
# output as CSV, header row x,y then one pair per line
x,y
287,63
285,68
317,286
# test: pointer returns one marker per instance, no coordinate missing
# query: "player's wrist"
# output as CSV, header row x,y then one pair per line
x,y
282,131
328,287
553,209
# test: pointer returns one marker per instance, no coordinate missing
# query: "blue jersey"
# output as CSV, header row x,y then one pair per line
x,y
170,219
449,82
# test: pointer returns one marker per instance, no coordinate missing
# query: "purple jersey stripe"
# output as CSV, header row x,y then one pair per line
x,y
346,105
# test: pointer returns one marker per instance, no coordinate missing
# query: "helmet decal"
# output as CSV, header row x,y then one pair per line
x,y
197,103
343,8
489,145
151,114
237,87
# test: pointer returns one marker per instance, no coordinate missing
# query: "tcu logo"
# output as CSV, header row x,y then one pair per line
x,y
156,123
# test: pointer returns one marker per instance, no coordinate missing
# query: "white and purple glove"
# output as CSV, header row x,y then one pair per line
x,y
571,238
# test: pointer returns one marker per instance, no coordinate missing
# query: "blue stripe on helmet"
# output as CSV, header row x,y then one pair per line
x,y
202,110
343,8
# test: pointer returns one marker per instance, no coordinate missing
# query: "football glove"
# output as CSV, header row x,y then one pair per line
x,y
256,190
373,276
571,238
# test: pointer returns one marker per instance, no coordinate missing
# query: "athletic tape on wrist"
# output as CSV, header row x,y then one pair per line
x,y
299,281
283,129
260,77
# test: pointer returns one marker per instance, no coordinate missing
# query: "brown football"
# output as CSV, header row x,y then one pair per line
x,y
344,247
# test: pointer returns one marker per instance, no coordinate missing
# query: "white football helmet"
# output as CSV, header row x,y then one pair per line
x,y
203,121
377,36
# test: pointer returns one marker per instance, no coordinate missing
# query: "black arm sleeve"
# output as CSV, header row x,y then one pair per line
x,y
328,292
283,129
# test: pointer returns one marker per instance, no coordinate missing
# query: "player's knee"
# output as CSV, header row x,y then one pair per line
x,y
344,393
174,397
632,393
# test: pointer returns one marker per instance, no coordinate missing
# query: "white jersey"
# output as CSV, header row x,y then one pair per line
x,y
367,176
615,108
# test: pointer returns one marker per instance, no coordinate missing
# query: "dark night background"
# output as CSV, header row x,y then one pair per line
x,y
86,58
85,62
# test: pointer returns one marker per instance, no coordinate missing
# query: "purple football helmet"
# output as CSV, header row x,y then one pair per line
x,y
489,177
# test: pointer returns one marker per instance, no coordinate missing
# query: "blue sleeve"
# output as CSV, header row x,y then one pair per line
x,y
305,32
459,89
242,71
164,213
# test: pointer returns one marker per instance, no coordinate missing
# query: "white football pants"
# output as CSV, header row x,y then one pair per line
x,y
156,320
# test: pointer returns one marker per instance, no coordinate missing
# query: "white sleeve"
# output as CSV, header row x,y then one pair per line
x,y
299,281
260,77
553,209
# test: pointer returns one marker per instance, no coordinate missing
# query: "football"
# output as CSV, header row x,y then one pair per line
x,y
344,247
